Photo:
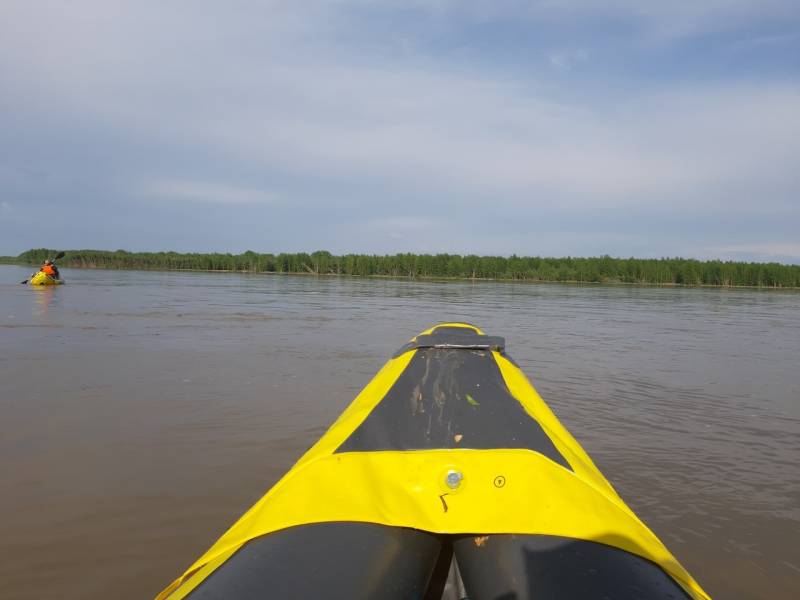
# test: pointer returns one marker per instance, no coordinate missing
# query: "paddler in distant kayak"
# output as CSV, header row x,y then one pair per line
x,y
48,273
50,269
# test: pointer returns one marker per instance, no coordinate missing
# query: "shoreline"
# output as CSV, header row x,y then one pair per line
x,y
424,278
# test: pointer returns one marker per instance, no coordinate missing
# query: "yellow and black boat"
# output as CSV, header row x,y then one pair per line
x,y
41,278
448,453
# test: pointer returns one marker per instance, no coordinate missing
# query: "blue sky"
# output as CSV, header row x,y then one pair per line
x,y
538,128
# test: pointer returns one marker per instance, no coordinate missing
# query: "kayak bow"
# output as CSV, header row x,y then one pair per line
x,y
448,451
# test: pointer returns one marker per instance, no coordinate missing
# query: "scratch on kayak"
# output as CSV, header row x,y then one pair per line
x,y
444,504
790,565
415,401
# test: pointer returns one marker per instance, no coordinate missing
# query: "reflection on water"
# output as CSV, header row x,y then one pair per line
x,y
44,295
143,412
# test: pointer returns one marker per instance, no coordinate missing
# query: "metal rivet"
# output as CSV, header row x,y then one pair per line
x,y
453,479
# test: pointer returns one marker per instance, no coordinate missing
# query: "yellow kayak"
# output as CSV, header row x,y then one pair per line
x,y
44,279
447,462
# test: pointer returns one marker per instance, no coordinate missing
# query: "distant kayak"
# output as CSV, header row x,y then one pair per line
x,y
449,455
44,279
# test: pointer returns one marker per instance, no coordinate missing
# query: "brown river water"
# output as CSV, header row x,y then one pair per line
x,y
141,413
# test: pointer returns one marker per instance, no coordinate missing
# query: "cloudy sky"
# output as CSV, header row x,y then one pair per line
x,y
567,127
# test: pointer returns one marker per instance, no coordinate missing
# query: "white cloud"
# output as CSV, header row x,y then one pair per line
x,y
274,89
465,135
468,137
564,60
400,228
420,125
777,251
677,18
205,192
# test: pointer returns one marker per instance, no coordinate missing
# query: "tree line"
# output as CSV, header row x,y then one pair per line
x,y
603,269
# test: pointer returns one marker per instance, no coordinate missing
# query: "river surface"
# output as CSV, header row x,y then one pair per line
x,y
141,413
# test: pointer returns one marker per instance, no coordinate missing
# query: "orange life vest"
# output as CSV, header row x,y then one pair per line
x,y
48,270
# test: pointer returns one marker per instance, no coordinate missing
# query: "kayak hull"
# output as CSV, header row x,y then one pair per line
x,y
44,279
451,442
